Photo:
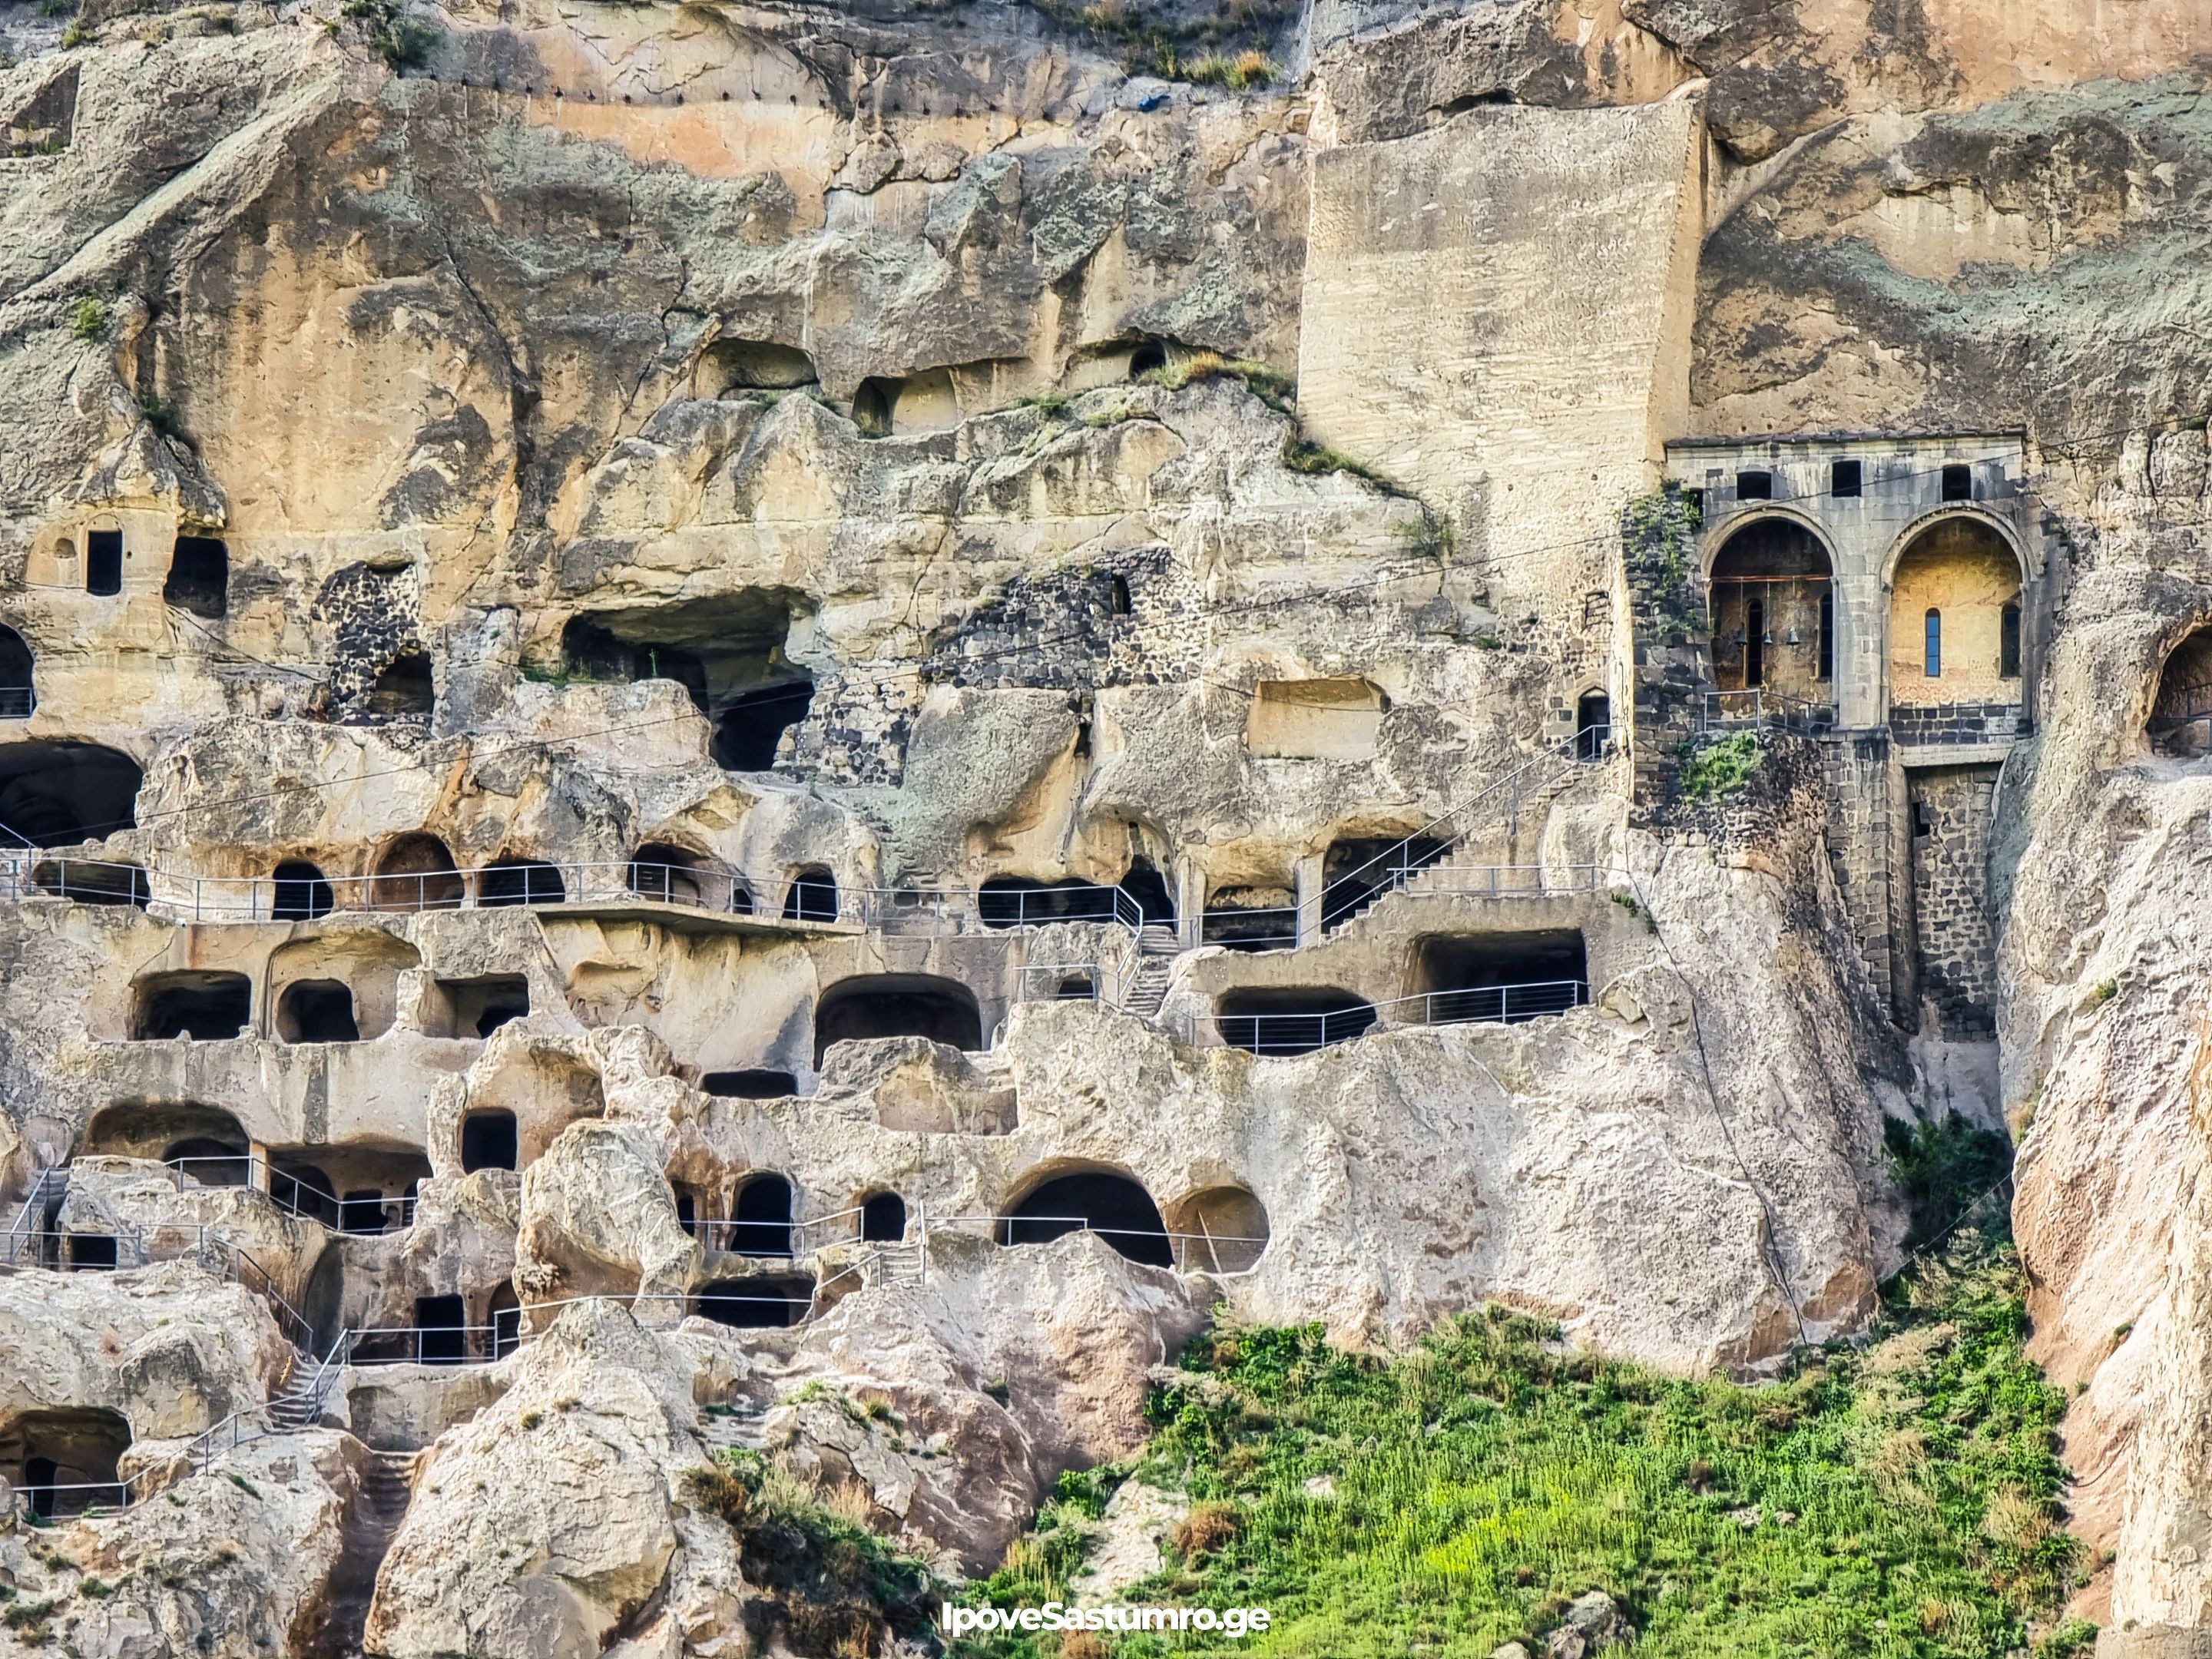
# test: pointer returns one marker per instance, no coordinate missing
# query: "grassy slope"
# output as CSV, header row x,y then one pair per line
x,y
1899,1499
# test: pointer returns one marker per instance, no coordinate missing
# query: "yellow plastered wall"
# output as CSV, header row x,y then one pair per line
x,y
1963,570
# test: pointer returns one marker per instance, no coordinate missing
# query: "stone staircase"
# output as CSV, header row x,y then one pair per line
x,y
372,1519
296,1406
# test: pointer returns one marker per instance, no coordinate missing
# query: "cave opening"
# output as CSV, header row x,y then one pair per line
x,y
205,1006
1115,1207
755,1303
1290,1019
1508,977
299,892
405,689
489,1142
873,1005
56,794
760,1222
317,1010
199,577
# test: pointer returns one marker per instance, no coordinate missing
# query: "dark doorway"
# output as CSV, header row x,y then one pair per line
x,y
416,872
506,1310
1770,586
317,1010
477,1007
752,1304
761,1222
488,1142
441,1330
897,1004
1251,918
872,407
668,874
1114,1206
404,690
301,894
208,1007
1023,902
812,895
1593,726
304,1188
1510,977
92,1251
883,1219
103,562
199,576
1755,643
56,794
1358,870
752,1084
511,881
17,698
750,727
361,1210
66,1459
1290,1019
1958,484
1144,883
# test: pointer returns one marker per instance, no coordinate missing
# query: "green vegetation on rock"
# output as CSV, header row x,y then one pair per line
x,y
1900,1499
1715,771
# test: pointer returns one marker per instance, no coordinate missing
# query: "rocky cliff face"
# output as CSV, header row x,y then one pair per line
x,y
789,729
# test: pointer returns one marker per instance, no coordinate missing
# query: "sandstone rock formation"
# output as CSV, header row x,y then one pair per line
x,y
791,728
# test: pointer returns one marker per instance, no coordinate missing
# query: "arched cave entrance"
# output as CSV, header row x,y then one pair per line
x,y
727,651
56,794
755,1303
517,881
871,1005
1221,1229
317,1010
415,873
208,1007
2181,723
760,1221
749,731
661,871
64,1460
1115,1207
1773,609
1290,1019
208,1145
1593,725
477,1007
504,1315
299,892
811,895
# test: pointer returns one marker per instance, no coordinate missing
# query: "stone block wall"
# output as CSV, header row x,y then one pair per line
x,y
1950,808
1861,830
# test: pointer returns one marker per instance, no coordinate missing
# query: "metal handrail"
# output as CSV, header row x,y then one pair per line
x,y
1722,711
266,1187
1477,1004
1181,1245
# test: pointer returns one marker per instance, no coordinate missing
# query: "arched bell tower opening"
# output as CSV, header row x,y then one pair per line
x,y
1773,612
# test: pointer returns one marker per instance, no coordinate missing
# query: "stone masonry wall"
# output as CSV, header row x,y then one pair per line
x,y
1860,831
1950,808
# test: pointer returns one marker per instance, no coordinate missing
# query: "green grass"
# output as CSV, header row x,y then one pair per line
x,y
89,319
1900,1501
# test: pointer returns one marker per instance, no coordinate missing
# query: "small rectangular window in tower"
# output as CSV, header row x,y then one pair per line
x,y
2008,643
1844,478
103,562
1958,484
1827,659
1754,486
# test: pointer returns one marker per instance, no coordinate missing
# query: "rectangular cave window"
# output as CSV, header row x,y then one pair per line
x,y
1958,484
1754,486
199,577
1844,479
103,562
477,1007
1508,977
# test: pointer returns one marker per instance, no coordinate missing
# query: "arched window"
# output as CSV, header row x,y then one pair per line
x,y
1931,649
1593,725
300,892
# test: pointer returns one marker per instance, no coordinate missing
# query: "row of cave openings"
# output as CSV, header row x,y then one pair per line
x,y
199,580
1954,613
884,406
